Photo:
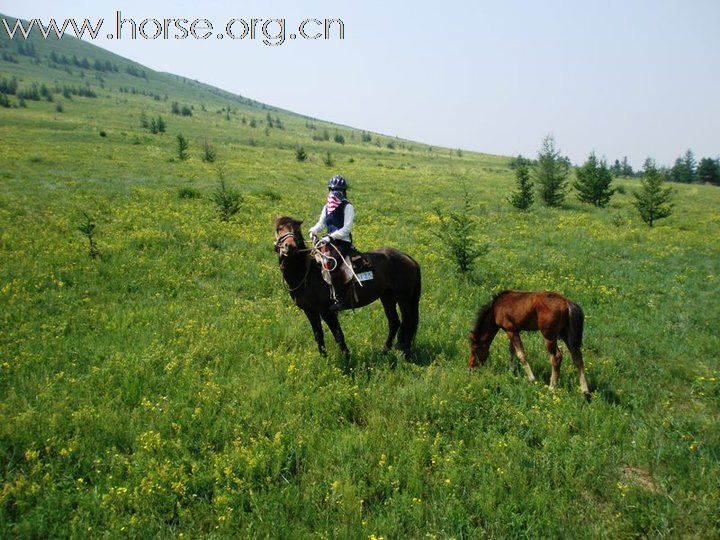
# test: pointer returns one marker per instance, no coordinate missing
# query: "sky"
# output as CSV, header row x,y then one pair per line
x,y
632,78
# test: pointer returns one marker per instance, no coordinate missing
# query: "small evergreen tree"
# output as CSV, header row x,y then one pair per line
x,y
616,168
551,173
593,182
456,233
328,160
523,198
227,201
300,154
653,198
87,228
208,152
143,120
182,147
160,125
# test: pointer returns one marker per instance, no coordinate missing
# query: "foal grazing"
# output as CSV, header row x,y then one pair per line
x,y
549,312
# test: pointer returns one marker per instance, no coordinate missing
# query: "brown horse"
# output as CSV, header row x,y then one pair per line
x,y
396,281
513,311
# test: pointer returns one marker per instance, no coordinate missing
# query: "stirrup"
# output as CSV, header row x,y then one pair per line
x,y
337,306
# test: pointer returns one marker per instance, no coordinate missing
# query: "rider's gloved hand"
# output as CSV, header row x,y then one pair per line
x,y
325,240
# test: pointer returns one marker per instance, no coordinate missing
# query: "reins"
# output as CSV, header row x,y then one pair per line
x,y
308,264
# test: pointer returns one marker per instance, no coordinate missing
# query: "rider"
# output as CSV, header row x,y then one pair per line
x,y
337,216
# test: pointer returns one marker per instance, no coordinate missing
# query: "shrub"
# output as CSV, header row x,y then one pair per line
x,y
188,192
87,228
227,201
328,160
103,133
339,138
300,154
208,152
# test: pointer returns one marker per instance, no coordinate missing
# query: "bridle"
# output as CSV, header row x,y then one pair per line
x,y
281,239
279,242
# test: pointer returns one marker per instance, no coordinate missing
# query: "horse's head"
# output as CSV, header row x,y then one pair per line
x,y
479,350
288,237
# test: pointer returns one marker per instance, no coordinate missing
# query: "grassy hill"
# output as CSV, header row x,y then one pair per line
x,y
170,387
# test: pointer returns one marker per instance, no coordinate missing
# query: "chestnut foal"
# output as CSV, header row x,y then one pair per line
x,y
549,312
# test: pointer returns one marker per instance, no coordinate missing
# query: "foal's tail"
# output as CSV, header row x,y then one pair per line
x,y
576,319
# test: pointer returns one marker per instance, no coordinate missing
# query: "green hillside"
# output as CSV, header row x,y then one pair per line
x,y
169,387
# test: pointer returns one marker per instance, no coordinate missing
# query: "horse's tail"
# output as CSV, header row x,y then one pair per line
x,y
576,320
415,307
410,309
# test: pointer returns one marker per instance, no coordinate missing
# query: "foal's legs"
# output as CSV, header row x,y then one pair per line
x,y
389,304
314,319
580,365
331,320
513,359
515,342
555,360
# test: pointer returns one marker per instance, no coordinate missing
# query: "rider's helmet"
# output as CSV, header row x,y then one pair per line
x,y
337,183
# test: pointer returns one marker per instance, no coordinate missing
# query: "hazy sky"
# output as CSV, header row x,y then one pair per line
x,y
631,77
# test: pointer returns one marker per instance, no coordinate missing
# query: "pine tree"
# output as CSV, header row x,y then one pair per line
x,y
593,182
653,199
709,171
208,152
160,125
627,170
300,154
616,168
182,147
523,198
551,173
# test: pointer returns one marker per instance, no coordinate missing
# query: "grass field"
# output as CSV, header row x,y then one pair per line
x,y
171,388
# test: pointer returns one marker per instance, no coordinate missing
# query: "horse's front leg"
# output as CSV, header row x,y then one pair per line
x,y
314,319
331,320
520,352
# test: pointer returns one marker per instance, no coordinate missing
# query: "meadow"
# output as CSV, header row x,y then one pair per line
x,y
169,387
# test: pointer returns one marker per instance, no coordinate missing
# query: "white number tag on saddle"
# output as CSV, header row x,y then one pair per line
x,y
365,276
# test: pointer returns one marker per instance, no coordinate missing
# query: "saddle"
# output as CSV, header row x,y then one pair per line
x,y
361,265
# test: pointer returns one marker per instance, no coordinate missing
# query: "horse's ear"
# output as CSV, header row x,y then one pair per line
x,y
297,223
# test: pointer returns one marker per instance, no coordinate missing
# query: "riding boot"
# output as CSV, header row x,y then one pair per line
x,y
338,291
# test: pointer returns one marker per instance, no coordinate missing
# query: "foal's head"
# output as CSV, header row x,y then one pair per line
x,y
288,237
481,336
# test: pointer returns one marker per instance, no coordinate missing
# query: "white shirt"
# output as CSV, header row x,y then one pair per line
x,y
342,233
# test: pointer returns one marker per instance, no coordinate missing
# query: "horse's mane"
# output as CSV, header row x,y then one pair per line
x,y
484,312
